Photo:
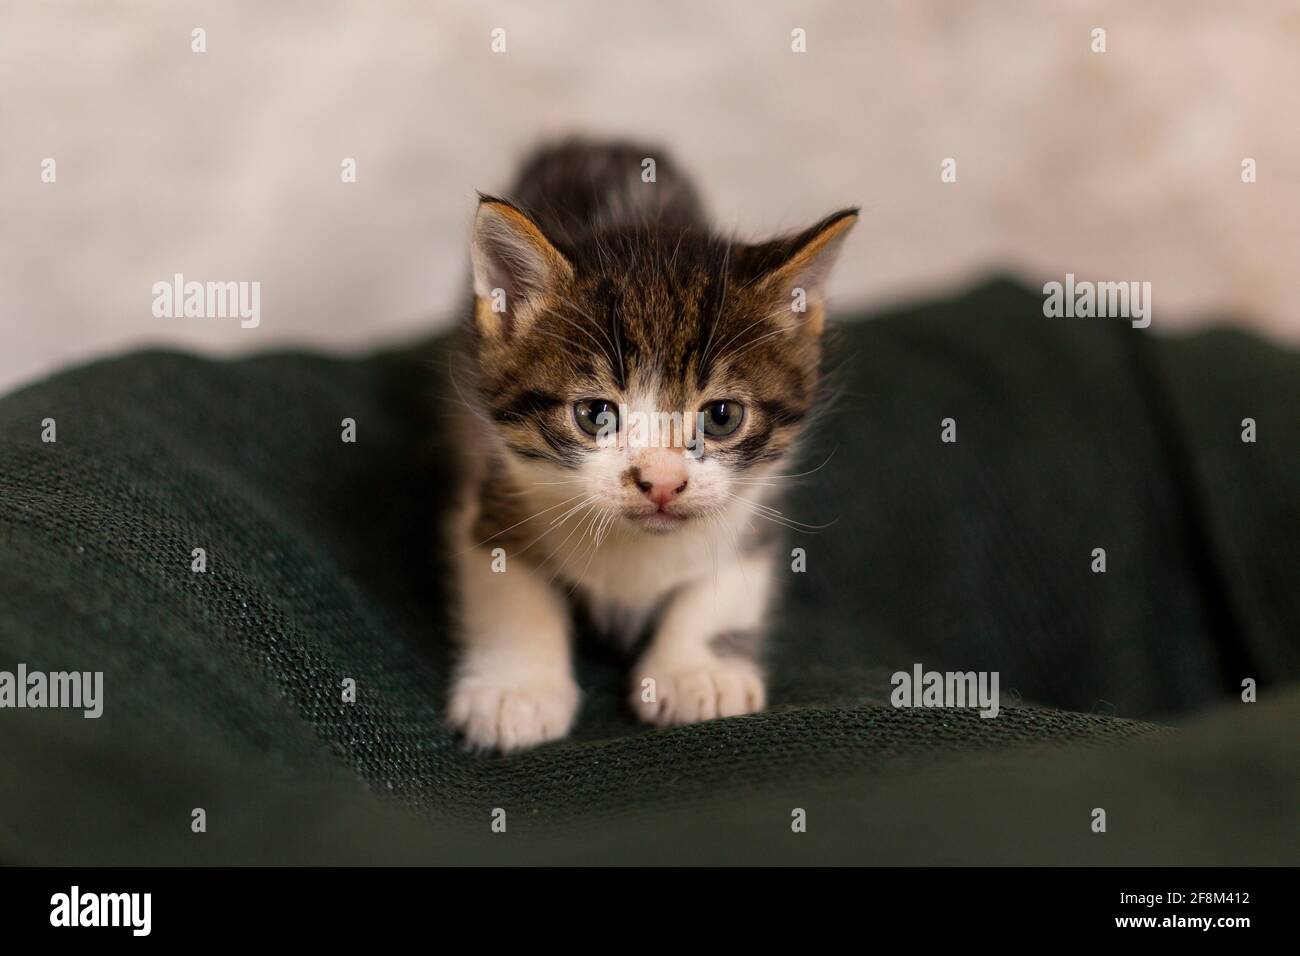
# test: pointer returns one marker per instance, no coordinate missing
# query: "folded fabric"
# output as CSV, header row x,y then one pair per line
x,y
322,564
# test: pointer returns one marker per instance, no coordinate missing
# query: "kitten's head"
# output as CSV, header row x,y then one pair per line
x,y
647,371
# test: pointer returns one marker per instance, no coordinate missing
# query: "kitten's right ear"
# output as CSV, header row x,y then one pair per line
x,y
515,266
798,268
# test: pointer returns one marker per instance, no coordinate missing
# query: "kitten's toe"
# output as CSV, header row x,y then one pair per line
x,y
512,717
687,695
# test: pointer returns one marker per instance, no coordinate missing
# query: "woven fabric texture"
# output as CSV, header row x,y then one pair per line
x,y
324,563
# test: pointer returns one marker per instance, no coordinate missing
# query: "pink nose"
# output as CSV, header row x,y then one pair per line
x,y
660,481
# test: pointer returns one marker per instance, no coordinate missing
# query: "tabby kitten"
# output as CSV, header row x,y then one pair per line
x,y
604,305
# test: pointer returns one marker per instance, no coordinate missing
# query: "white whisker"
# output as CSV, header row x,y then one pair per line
x,y
518,523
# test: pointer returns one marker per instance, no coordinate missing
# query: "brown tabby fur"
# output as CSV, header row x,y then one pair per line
x,y
645,291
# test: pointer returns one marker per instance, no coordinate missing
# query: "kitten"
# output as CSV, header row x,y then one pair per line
x,y
603,305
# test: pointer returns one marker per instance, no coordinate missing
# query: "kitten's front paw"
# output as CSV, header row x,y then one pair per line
x,y
684,695
505,717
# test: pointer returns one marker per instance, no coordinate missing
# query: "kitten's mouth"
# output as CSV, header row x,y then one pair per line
x,y
658,522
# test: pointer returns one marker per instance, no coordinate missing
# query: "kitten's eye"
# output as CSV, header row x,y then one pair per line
x,y
722,418
593,414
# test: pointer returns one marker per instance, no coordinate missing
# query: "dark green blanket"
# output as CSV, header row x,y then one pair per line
x,y
223,688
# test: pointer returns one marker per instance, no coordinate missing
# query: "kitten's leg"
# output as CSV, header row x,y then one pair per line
x,y
514,684
704,658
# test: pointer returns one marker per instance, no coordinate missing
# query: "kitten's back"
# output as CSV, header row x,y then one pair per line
x,y
577,188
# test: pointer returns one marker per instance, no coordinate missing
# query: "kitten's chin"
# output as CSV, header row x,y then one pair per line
x,y
657,522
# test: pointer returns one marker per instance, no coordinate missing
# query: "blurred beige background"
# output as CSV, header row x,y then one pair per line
x,y
226,165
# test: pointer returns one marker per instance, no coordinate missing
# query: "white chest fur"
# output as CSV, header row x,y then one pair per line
x,y
626,577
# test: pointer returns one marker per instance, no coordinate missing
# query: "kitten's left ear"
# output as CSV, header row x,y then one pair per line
x,y
794,271
515,266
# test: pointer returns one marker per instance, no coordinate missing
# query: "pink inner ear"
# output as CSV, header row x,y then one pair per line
x,y
513,263
514,244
